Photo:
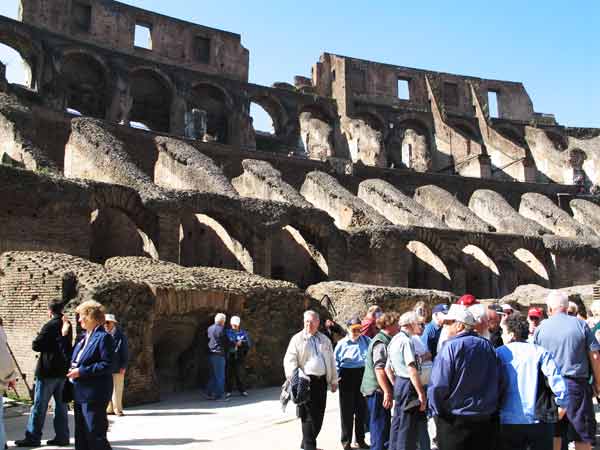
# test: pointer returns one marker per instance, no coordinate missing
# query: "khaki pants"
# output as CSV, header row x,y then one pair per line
x,y
116,405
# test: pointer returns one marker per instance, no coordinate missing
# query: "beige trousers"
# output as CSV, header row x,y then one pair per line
x,y
116,405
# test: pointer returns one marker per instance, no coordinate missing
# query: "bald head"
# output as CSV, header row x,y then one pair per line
x,y
557,302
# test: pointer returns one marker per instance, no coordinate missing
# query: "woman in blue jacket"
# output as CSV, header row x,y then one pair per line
x,y
91,375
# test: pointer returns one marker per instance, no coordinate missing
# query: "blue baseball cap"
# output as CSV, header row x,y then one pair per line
x,y
441,308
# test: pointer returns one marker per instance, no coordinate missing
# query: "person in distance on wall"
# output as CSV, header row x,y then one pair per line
x,y
115,406
310,351
238,346
91,375
8,377
54,345
350,355
217,348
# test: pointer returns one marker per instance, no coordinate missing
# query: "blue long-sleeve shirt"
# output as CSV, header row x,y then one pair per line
x,y
234,337
431,336
521,363
349,354
466,379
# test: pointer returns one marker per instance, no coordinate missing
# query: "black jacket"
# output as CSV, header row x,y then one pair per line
x,y
55,350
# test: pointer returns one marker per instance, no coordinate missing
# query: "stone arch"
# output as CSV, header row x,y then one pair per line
x,y
482,273
530,269
511,133
428,270
409,145
152,94
84,77
30,51
373,119
316,131
274,108
114,233
205,241
216,102
295,258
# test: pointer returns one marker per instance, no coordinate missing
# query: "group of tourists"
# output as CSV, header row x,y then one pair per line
x,y
463,376
90,373
227,350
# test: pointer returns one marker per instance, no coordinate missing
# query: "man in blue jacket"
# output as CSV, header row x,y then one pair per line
x,y
217,347
115,406
465,386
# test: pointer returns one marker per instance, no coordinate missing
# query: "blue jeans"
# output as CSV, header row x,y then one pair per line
x,y
379,421
2,430
45,388
216,380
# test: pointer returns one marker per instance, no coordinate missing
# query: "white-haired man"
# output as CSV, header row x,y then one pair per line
x,y
465,387
311,351
410,400
217,346
575,351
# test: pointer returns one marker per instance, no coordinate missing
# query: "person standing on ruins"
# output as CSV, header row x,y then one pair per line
x,y
115,406
217,346
310,351
575,351
238,346
375,385
350,356
54,342
465,387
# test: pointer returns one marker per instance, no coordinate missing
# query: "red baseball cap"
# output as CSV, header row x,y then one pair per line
x,y
467,300
535,312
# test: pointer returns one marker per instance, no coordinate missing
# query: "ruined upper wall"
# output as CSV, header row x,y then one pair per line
x,y
112,24
376,84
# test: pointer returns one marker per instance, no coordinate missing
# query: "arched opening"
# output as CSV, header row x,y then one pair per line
x,y
261,119
84,79
467,130
408,146
213,102
268,121
296,260
529,269
205,242
178,364
316,133
482,274
115,234
428,271
151,100
18,70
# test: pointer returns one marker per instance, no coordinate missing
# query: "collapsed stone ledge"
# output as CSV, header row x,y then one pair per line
x,y
353,299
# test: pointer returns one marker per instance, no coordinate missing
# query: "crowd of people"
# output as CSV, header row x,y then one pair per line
x,y
459,377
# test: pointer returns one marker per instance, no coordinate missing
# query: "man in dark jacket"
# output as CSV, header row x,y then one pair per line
x,y
54,342
115,406
217,346
466,386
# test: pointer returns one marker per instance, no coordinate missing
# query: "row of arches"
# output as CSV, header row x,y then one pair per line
x,y
297,256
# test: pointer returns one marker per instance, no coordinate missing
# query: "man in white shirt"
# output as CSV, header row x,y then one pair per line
x,y
311,351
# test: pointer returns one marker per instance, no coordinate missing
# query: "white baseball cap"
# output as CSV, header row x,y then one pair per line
x,y
461,314
110,318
